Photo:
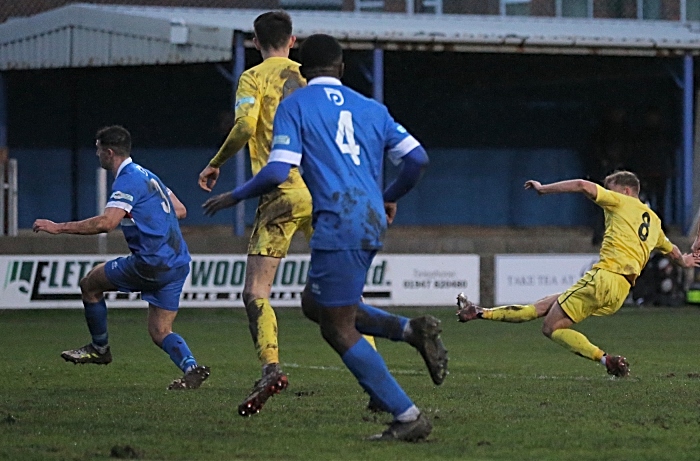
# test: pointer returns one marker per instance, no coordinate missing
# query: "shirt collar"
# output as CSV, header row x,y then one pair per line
x,y
325,81
124,163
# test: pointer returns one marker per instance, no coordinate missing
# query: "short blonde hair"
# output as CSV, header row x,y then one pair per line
x,y
622,178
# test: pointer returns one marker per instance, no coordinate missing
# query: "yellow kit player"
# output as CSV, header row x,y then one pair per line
x,y
280,213
632,231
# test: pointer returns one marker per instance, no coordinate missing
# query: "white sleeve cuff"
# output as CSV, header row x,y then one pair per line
x,y
124,206
286,156
406,145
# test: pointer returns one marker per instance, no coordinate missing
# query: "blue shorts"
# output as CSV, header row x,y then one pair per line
x,y
337,277
159,287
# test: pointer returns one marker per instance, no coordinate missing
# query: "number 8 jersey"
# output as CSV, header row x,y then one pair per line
x,y
150,226
338,139
632,231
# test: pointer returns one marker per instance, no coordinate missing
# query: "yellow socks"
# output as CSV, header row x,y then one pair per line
x,y
263,328
512,314
577,343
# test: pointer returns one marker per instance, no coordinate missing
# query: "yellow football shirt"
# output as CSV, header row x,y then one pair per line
x,y
632,231
260,90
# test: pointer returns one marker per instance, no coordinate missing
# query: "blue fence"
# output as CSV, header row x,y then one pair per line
x,y
468,187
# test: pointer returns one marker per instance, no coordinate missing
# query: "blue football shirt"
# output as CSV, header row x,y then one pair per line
x,y
338,138
150,226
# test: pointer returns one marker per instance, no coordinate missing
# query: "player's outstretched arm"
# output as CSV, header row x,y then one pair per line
x,y
268,178
695,247
242,131
218,203
686,260
587,188
91,226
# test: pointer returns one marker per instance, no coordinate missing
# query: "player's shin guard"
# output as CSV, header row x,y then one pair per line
x,y
373,375
577,343
263,329
96,318
379,323
512,314
176,347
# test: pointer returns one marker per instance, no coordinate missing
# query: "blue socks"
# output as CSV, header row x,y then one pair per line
x,y
96,318
179,353
173,344
379,323
374,377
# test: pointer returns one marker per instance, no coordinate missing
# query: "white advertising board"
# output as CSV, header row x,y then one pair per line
x,y
521,278
38,281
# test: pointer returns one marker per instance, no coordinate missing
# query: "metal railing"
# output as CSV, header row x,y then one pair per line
x,y
8,198
101,201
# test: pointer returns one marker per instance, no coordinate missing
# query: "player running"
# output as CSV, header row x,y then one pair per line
x,y
282,211
632,232
338,139
157,267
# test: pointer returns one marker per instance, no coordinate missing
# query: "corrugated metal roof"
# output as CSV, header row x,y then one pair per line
x,y
83,35
88,35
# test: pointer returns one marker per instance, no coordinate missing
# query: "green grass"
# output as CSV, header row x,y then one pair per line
x,y
511,394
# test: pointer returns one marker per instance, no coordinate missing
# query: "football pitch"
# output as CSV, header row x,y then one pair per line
x,y
511,394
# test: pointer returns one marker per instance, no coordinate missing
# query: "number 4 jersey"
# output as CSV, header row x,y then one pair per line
x,y
632,231
150,226
338,138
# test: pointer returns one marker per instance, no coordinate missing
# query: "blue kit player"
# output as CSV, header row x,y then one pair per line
x,y
157,266
338,139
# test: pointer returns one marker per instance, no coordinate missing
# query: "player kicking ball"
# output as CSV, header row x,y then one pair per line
x,y
632,232
157,266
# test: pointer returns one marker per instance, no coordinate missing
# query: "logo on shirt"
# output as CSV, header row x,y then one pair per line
x,y
117,195
401,129
281,139
335,96
246,100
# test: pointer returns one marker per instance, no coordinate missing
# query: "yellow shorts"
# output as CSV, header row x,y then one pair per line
x,y
279,215
598,293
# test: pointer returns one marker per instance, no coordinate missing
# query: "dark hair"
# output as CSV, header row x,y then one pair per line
x,y
320,51
622,178
115,137
273,29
